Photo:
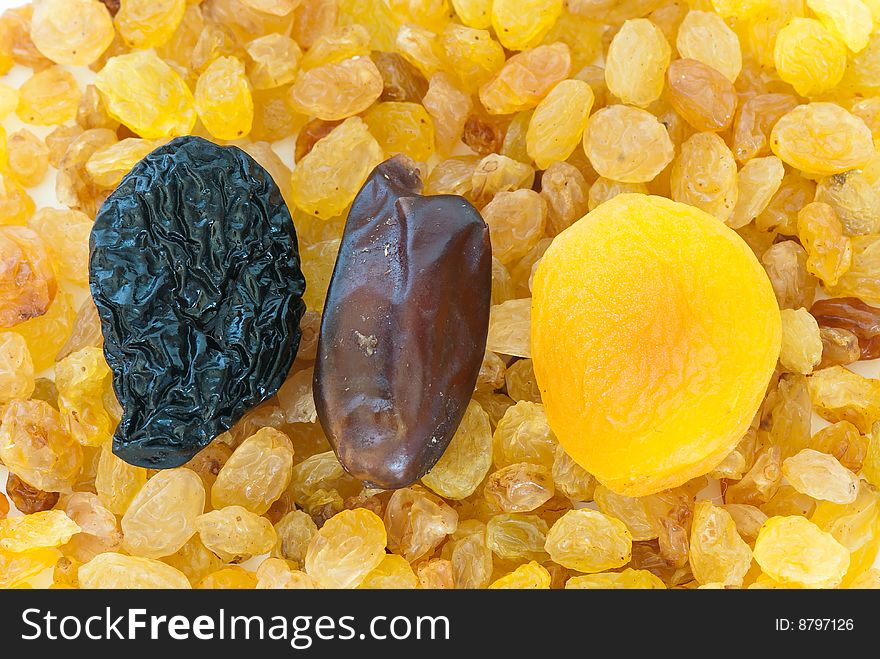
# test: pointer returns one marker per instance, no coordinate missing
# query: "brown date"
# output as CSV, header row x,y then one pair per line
x,y
404,327
850,313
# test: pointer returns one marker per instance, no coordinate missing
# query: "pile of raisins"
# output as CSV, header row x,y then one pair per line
x,y
190,138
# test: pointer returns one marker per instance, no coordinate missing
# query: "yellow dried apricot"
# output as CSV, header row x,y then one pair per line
x,y
654,334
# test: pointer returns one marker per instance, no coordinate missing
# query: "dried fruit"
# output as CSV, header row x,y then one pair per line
x,y
27,282
627,144
81,380
36,446
841,395
519,488
717,552
48,97
809,57
705,36
337,90
522,24
801,344
496,173
786,92
234,533
466,460
821,476
821,232
565,190
223,99
626,579
147,95
392,572
51,528
855,200
162,516
16,206
294,531
108,165
327,179
233,578
761,482
148,23
558,123
528,576
839,347
517,536
436,573
704,175
402,82
701,95
117,482
473,56
449,108
16,368
786,265
525,79
417,522
516,222
636,62
580,261
861,279
397,438
402,127
111,570
756,183
472,560
340,44
256,474
346,549
849,19
73,32
821,139
571,479
274,59
523,435
157,394
28,158
794,551
849,313
28,499
754,121
588,541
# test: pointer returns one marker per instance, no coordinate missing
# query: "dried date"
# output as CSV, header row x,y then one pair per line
x,y
404,327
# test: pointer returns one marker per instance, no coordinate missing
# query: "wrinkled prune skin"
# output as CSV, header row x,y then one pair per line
x,y
404,327
195,271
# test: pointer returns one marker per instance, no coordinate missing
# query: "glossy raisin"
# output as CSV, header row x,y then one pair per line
x,y
408,266
401,80
200,302
701,95
28,499
852,314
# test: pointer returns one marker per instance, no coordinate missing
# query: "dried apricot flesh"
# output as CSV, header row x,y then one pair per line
x,y
654,334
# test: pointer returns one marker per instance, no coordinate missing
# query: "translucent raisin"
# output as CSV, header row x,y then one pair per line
x,y
525,79
636,62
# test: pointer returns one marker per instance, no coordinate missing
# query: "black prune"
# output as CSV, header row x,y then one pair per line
x,y
194,269
404,327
